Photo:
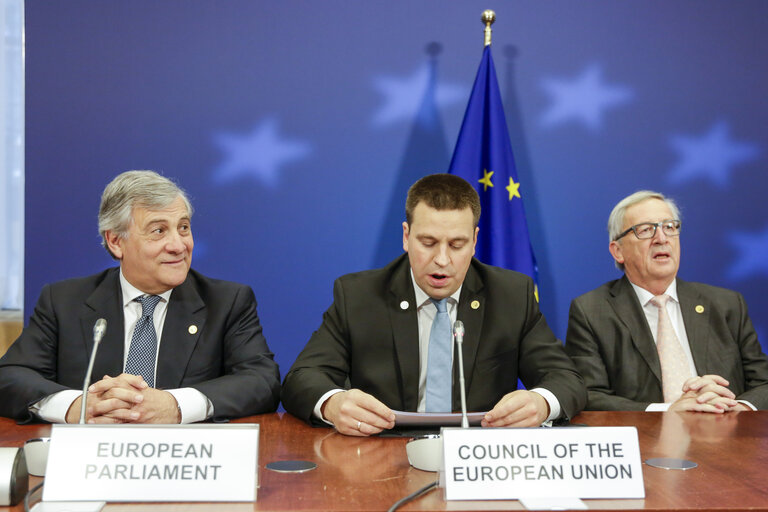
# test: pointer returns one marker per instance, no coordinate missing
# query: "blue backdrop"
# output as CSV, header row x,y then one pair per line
x,y
297,126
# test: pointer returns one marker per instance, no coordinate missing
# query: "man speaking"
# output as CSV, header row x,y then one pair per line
x,y
179,347
651,341
385,343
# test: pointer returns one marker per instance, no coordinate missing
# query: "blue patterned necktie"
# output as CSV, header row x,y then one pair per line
x,y
143,351
439,375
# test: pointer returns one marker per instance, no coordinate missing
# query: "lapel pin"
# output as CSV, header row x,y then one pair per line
x,y
699,308
475,304
404,305
192,329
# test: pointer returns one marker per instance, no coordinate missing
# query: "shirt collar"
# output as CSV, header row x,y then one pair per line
x,y
422,297
131,293
644,296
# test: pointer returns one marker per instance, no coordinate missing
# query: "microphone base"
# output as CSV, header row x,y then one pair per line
x,y
14,479
425,452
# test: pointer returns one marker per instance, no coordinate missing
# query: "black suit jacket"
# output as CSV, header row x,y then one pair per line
x,y
612,346
369,340
226,359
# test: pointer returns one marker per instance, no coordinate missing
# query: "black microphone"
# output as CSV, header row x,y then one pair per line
x,y
98,333
458,334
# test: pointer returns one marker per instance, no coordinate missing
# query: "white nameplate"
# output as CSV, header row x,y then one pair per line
x,y
569,462
152,463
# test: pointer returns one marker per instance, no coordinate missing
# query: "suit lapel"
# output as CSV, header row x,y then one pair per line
x,y
402,309
184,323
471,312
105,302
696,324
624,302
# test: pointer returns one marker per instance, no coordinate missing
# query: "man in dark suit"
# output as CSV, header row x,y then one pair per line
x,y
625,335
373,351
197,352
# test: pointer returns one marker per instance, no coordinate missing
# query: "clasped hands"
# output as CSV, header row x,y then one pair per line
x,y
707,393
125,399
356,413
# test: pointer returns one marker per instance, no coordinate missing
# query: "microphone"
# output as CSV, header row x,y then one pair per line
x,y
426,452
98,333
458,334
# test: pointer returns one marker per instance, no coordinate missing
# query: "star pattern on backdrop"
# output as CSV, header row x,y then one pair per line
x,y
513,189
259,154
712,155
752,249
403,96
584,99
486,179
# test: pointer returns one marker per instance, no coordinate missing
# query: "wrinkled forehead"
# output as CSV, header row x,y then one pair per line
x,y
650,210
174,211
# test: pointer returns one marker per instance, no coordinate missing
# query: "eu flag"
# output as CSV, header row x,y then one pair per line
x,y
483,156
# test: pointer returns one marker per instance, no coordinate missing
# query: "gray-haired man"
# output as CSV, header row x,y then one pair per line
x,y
179,348
651,341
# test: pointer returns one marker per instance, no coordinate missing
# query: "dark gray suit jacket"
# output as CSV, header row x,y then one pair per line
x,y
609,340
368,341
226,359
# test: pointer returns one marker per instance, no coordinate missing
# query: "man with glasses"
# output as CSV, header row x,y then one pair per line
x,y
650,341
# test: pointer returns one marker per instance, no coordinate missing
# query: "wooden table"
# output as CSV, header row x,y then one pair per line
x,y
372,473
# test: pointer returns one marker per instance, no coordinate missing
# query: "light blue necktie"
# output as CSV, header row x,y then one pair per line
x,y
439,374
143,351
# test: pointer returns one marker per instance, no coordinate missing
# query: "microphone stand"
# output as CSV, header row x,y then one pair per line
x,y
458,332
98,333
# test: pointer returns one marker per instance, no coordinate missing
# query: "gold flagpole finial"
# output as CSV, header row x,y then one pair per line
x,y
488,18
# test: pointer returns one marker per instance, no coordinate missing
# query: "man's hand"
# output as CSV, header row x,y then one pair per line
x,y
519,408
158,406
126,399
110,400
355,413
708,384
707,393
709,403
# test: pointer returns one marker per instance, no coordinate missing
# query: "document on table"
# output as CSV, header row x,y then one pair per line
x,y
414,419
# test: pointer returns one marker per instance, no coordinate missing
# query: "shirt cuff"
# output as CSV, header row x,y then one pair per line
x,y
554,404
193,405
657,407
747,404
54,408
316,411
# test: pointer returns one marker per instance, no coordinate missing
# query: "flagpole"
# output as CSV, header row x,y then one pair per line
x,y
488,17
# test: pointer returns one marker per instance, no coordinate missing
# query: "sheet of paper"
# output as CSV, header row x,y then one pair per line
x,y
412,419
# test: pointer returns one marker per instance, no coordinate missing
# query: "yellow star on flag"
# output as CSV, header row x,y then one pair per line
x,y
513,189
486,179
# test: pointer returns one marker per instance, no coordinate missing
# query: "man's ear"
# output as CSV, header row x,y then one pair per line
x,y
615,249
114,243
406,232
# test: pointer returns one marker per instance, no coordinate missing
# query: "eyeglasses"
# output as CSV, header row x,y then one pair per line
x,y
646,230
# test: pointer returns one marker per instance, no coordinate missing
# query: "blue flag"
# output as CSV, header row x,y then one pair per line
x,y
483,156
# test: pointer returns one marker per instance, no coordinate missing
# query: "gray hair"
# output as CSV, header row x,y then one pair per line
x,y
616,219
132,189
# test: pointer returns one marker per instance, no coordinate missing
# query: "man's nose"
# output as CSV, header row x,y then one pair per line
x,y
174,243
442,258
660,237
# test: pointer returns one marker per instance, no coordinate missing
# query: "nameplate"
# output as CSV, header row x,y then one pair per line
x,y
567,462
155,463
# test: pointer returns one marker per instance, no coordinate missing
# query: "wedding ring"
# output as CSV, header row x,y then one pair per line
x,y
358,425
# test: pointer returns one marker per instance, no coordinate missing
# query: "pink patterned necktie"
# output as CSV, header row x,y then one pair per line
x,y
675,369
